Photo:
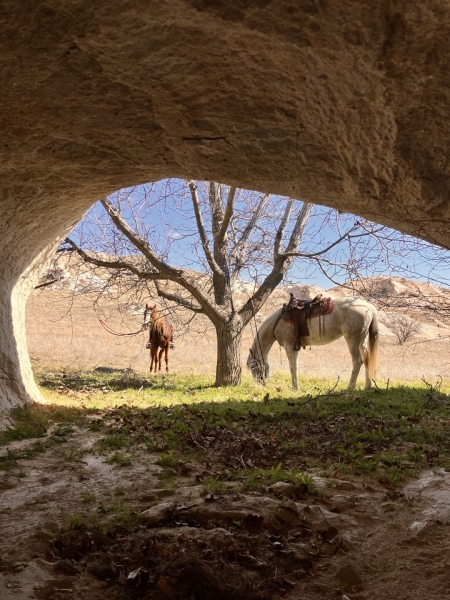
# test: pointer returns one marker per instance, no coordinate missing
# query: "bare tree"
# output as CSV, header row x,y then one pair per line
x,y
196,243
404,327
230,237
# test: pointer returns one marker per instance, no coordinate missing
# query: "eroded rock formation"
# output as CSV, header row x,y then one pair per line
x,y
342,103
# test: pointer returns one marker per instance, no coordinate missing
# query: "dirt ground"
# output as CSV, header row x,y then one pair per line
x,y
75,527
350,540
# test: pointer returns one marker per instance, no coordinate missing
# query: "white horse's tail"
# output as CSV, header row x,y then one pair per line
x,y
371,358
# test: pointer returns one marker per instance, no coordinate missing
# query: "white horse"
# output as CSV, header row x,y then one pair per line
x,y
354,318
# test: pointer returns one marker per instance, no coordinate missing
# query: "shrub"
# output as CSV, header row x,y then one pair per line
x,y
404,327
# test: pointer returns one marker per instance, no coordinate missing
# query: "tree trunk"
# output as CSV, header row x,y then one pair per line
x,y
228,367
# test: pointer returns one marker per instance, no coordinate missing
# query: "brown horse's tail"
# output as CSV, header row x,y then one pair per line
x,y
372,359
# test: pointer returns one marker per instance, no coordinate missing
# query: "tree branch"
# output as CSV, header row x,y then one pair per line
x,y
312,255
46,284
114,264
281,262
299,227
138,242
281,228
201,230
215,205
228,214
166,271
177,299
239,249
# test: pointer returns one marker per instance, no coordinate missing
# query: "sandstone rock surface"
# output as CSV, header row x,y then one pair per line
x,y
341,103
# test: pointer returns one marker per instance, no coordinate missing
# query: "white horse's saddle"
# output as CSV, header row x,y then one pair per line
x,y
299,310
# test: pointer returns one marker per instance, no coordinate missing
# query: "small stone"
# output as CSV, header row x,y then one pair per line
x,y
185,468
281,488
164,493
417,526
157,513
328,549
288,513
345,485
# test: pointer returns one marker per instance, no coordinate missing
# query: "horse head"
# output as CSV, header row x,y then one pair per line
x,y
256,366
148,312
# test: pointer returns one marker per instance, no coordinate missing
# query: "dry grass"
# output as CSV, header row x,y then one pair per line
x,y
60,339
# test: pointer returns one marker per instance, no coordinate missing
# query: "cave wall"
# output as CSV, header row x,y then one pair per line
x,y
341,103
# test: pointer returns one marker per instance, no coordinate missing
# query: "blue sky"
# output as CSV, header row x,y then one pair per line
x,y
163,213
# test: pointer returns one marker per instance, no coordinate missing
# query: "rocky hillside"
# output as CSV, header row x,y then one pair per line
x,y
424,303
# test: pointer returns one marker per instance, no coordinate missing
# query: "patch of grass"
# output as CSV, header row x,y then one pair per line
x,y
8,461
393,524
213,485
75,522
33,421
119,459
396,474
388,434
62,432
75,455
106,519
27,423
104,509
114,442
88,498
168,462
257,478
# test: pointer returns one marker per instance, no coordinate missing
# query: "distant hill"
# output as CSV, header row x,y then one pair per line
x,y
64,330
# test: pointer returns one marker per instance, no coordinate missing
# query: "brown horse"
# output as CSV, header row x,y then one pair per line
x,y
160,336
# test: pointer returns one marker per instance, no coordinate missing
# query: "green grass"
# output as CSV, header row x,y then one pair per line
x,y
104,391
33,421
255,479
114,442
387,434
119,459
87,498
213,485
9,461
105,519
168,462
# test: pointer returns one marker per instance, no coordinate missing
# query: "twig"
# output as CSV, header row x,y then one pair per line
x,y
432,389
327,395
324,517
378,388
440,337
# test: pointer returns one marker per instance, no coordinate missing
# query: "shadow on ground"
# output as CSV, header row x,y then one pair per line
x,y
238,493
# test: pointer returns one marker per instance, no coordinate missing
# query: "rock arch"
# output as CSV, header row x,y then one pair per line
x,y
341,103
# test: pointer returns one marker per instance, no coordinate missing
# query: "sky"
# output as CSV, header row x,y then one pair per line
x,y
163,213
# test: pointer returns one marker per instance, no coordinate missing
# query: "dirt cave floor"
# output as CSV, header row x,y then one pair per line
x,y
76,523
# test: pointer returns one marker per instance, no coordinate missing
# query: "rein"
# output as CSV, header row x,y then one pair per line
x,y
260,367
103,324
